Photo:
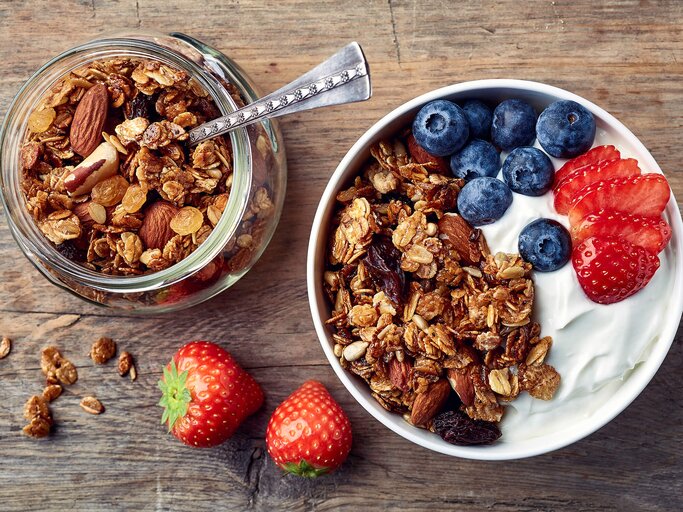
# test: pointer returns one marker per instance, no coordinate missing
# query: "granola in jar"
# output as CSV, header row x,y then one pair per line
x,y
110,178
439,328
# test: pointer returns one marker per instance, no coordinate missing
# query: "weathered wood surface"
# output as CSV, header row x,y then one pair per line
x,y
626,56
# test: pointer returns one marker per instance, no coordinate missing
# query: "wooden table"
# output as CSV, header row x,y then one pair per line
x,y
627,56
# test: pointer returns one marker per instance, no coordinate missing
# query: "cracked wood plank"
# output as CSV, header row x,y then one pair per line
x,y
626,56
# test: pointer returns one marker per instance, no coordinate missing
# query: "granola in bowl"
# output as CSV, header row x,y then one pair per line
x,y
421,307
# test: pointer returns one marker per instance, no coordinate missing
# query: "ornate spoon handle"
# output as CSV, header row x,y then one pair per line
x,y
343,78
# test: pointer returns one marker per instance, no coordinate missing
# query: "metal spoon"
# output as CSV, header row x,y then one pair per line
x,y
343,78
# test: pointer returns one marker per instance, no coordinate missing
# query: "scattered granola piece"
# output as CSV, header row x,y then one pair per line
x,y
103,350
126,365
66,373
92,405
52,391
38,427
5,347
56,367
38,414
36,406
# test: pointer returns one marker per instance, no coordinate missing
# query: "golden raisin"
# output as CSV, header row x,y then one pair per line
x,y
110,192
134,198
188,220
40,120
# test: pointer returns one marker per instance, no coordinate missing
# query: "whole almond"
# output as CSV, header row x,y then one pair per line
x,y
420,156
89,119
82,211
399,374
456,230
462,384
156,230
427,404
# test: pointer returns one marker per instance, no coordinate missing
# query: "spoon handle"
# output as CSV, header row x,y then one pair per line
x,y
343,78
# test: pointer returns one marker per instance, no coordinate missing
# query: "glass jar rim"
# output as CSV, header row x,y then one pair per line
x,y
33,242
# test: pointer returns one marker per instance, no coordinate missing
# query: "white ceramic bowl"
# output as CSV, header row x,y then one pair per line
x,y
492,91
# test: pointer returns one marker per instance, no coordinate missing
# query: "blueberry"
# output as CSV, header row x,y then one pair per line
x,y
513,124
566,129
546,244
484,200
478,158
441,128
528,171
479,117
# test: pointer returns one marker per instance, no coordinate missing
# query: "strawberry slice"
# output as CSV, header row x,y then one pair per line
x,y
646,194
592,156
611,269
567,189
650,233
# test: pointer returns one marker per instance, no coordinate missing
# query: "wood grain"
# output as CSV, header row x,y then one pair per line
x,y
626,56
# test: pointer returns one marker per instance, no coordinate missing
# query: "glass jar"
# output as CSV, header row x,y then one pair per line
x,y
236,242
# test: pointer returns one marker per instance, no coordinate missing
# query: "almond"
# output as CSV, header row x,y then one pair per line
x,y
102,163
420,156
89,119
399,374
462,384
456,230
82,211
156,230
427,404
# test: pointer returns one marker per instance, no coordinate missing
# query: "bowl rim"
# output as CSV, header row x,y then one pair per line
x,y
625,394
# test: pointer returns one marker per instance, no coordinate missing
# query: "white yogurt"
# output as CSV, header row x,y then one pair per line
x,y
595,346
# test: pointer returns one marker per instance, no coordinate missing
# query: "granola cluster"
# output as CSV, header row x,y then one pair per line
x,y
109,176
420,306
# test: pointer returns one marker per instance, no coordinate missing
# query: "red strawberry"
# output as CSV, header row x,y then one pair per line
x,y
422,157
611,269
646,194
206,395
569,187
650,233
309,434
592,156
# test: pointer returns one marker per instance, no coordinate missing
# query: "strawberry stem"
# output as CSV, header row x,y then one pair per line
x,y
304,469
175,396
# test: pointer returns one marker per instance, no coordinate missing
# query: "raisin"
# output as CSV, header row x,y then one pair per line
x,y
140,106
208,109
70,251
457,428
383,262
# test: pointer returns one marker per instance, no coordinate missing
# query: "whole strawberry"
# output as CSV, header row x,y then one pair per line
x,y
206,395
309,434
